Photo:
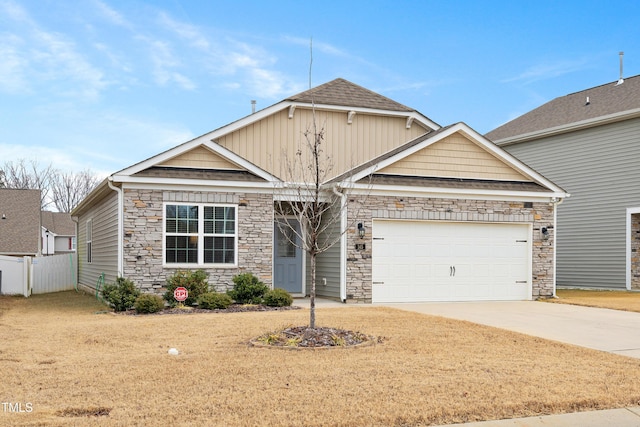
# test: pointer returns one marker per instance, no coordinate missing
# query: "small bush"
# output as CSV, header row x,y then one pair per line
x,y
121,295
278,298
214,300
148,303
194,281
247,289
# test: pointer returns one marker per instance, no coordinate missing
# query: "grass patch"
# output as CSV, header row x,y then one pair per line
x,y
430,370
616,300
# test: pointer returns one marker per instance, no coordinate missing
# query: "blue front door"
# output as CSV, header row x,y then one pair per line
x,y
287,258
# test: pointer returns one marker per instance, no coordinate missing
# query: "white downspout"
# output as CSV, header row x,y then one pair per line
x,y
556,203
343,244
120,223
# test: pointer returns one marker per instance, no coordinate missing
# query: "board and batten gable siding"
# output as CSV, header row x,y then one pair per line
x,y
270,141
599,168
454,157
104,217
201,157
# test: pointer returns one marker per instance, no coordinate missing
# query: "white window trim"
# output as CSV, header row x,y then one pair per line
x,y
201,236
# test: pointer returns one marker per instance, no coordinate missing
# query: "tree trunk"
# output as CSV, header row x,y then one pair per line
x,y
312,293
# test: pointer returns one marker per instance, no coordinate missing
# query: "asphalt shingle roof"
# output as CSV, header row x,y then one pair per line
x,y
59,223
20,228
585,105
344,93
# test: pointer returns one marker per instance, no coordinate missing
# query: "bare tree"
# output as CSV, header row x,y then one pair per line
x,y
63,190
29,176
68,188
317,204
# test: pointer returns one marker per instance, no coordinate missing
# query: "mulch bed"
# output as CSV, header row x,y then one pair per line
x,y
297,337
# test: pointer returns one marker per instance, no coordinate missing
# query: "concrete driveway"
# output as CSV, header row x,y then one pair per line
x,y
601,329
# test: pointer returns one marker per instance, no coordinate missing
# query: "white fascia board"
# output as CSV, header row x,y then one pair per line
x,y
374,111
203,140
475,136
448,193
571,127
208,139
198,185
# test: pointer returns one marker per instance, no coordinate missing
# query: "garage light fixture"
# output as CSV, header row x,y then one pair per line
x,y
545,233
361,230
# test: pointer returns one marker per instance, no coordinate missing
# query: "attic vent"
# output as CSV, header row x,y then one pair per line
x,y
587,102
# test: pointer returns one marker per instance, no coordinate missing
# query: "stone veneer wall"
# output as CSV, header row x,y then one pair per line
x,y
411,208
635,251
143,217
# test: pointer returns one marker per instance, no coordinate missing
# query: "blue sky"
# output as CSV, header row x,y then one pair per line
x,y
104,84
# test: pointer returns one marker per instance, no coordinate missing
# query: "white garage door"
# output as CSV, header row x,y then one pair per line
x,y
417,261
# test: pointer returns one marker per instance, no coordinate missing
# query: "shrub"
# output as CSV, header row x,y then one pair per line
x,y
247,289
194,281
214,300
148,303
278,298
121,295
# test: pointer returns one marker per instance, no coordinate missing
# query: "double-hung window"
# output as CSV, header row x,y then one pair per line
x,y
200,234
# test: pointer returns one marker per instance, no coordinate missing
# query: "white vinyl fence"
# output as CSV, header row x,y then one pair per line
x,y
37,275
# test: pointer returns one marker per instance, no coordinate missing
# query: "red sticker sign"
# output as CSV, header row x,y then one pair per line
x,y
180,294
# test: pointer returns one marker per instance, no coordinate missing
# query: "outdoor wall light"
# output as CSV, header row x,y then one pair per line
x,y
545,233
361,230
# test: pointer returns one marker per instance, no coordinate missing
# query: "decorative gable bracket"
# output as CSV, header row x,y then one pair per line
x,y
409,122
292,109
350,115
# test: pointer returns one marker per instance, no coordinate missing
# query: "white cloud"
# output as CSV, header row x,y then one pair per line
x,y
12,66
112,15
186,31
547,71
40,60
57,59
316,45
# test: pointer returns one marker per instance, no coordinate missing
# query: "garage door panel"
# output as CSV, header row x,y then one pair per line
x,y
439,261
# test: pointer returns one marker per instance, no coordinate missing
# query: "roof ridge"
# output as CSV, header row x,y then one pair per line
x,y
613,83
342,92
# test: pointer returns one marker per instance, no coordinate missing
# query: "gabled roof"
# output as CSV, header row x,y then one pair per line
x,y
344,93
591,107
19,221
59,223
372,167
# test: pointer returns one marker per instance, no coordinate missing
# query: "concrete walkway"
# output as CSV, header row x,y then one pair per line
x,y
600,329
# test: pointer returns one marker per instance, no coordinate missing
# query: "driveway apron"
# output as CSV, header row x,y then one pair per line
x,y
613,331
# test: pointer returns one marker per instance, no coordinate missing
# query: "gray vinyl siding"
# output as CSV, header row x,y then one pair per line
x,y
328,263
105,242
599,168
329,268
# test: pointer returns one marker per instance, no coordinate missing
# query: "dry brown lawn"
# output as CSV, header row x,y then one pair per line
x,y
617,300
75,366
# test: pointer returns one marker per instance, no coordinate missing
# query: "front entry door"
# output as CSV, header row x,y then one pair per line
x,y
287,258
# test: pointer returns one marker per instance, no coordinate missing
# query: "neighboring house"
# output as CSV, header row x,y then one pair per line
x,y
432,213
58,233
19,222
588,142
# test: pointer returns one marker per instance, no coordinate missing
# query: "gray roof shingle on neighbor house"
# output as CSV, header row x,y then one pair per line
x,y
19,221
59,223
344,93
610,99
